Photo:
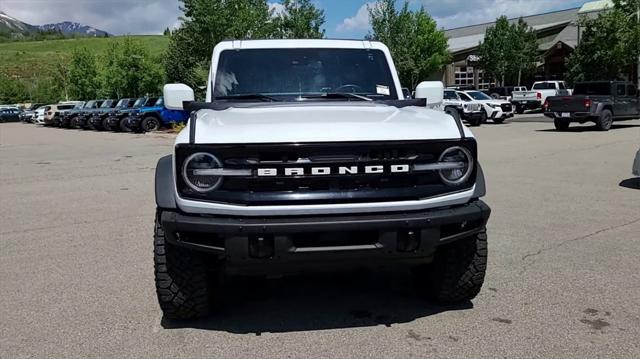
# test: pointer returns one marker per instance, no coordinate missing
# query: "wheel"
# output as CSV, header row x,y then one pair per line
x,y
123,125
150,124
453,113
457,272
498,120
561,125
519,110
104,125
181,278
605,120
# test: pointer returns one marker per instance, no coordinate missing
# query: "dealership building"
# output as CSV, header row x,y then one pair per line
x,y
558,35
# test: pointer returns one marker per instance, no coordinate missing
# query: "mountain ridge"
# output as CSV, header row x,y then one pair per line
x,y
14,26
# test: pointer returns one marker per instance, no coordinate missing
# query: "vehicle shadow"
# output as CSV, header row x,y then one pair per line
x,y
578,129
632,183
315,302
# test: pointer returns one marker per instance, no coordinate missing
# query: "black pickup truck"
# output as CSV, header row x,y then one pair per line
x,y
601,102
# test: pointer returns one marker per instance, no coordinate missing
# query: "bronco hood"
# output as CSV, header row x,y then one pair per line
x,y
326,122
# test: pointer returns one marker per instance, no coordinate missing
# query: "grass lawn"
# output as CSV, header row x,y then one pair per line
x,y
29,59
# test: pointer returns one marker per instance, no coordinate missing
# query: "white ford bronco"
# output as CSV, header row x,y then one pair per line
x,y
306,155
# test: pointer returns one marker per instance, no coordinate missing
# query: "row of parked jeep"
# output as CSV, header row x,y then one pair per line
x,y
143,114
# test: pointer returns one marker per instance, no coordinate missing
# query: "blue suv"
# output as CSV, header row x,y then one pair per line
x,y
147,119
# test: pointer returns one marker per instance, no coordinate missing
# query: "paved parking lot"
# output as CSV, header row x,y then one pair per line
x,y
76,215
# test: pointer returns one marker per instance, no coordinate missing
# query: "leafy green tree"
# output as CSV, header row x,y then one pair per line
x,y
299,20
524,51
62,77
417,46
509,51
12,90
83,75
204,24
496,51
129,71
608,46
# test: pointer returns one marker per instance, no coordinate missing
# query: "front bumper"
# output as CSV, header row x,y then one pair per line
x,y
471,116
498,113
113,122
50,121
134,122
278,242
95,122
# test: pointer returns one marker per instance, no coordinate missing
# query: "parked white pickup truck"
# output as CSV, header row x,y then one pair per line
x,y
532,100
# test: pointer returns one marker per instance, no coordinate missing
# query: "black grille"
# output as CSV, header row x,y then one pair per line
x,y
506,107
332,188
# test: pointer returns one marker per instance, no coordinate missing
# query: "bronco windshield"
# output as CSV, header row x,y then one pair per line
x,y
139,102
287,74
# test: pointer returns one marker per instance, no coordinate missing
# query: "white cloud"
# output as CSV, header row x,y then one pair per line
x,y
358,22
277,8
116,17
456,13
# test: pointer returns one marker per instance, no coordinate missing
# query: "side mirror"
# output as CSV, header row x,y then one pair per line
x,y
176,94
433,91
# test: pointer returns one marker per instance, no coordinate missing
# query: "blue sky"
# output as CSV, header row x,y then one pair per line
x,y
345,18
348,18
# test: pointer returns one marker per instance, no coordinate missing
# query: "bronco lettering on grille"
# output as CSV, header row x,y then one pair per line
x,y
342,170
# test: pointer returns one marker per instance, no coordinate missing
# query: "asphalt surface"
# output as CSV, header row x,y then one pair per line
x,y
76,219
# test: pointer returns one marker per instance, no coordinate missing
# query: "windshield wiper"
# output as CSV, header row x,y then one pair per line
x,y
333,95
251,96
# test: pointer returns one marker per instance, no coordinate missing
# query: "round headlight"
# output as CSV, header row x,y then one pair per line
x,y
195,174
460,173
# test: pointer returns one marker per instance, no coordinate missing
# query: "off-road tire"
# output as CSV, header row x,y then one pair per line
x,y
560,124
150,124
605,120
457,272
181,276
104,125
122,125
453,113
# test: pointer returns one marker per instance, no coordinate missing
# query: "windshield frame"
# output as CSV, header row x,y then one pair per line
x,y
394,89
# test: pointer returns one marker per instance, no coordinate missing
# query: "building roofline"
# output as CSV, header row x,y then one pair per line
x,y
513,18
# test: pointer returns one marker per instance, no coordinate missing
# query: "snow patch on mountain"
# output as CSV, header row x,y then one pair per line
x,y
69,28
14,25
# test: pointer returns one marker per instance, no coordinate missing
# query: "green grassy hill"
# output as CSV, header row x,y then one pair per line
x,y
30,59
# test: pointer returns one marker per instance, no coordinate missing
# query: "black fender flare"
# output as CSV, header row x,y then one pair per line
x,y
153,114
165,197
481,189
